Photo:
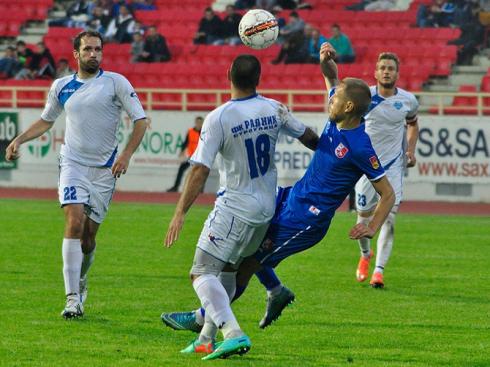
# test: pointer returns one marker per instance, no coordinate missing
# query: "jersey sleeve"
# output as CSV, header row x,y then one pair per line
x,y
368,162
290,124
210,141
129,99
412,114
53,107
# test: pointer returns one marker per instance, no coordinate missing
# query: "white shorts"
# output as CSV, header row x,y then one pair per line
x,y
366,195
91,186
228,238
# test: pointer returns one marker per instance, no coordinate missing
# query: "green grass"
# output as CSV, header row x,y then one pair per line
x,y
433,312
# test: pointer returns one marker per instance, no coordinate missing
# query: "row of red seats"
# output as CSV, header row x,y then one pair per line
x,y
15,13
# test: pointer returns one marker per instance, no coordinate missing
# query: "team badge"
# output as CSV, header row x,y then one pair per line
x,y
341,150
374,162
398,105
314,210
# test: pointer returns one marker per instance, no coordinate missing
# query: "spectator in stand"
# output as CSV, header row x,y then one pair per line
x,y
139,28
294,25
472,34
380,5
120,28
245,4
188,148
314,44
142,5
63,69
137,47
40,66
9,65
295,49
210,28
155,47
230,28
342,45
438,14
99,20
77,15
268,5
24,54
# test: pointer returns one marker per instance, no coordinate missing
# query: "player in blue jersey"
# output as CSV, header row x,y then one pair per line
x,y
392,112
89,164
304,211
243,133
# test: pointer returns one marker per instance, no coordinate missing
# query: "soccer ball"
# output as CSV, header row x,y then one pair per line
x,y
258,29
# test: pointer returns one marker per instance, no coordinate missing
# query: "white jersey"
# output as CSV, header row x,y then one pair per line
x,y
244,132
93,113
385,123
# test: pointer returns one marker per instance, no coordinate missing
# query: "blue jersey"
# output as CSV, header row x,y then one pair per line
x,y
341,158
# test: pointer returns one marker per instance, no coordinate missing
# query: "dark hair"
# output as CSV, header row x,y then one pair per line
x,y
200,118
78,39
357,91
335,25
20,43
245,72
390,56
294,14
63,60
11,48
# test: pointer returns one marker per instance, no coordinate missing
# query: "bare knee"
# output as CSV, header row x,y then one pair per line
x,y
74,221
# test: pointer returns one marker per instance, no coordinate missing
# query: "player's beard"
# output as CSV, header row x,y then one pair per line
x,y
90,67
390,85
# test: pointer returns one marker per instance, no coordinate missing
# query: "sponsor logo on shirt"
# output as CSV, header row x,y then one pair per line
x,y
398,105
341,150
314,210
374,162
70,90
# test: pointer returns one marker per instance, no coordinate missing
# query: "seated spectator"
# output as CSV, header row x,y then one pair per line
x,y
142,5
268,5
294,50
77,15
314,44
245,4
439,14
155,47
342,45
24,53
137,47
120,28
471,37
9,65
210,28
230,28
99,20
380,5
40,66
63,69
294,25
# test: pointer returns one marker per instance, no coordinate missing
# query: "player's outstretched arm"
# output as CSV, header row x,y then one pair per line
x,y
309,139
385,203
193,186
122,163
328,65
34,131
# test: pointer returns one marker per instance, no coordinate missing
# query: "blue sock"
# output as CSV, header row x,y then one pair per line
x,y
268,277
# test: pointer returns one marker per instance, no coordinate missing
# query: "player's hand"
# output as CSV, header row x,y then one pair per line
x,y
12,152
327,52
174,229
120,166
359,231
411,160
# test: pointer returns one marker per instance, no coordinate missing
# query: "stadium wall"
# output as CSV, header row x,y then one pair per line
x,y
453,155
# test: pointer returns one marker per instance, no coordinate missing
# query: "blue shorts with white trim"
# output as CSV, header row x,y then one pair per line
x,y
286,236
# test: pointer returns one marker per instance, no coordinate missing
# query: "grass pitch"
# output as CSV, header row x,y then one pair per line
x,y
434,310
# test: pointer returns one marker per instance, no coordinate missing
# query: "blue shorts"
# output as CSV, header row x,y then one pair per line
x,y
286,235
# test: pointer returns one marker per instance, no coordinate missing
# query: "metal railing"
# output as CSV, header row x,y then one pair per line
x,y
207,99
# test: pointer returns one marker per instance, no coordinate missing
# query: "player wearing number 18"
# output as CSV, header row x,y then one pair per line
x,y
243,133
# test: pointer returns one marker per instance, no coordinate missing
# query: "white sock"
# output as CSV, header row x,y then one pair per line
x,y
87,261
228,279
385,243
364,243
199,316
215,301
208,331
274,291
72,264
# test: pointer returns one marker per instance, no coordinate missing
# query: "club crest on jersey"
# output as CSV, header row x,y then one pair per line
x,y
314,210
341,150
374,162
398,105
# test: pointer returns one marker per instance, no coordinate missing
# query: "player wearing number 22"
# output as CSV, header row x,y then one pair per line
x,y
242,133
89,165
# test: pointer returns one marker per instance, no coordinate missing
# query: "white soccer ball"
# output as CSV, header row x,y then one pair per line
x,y
258,29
